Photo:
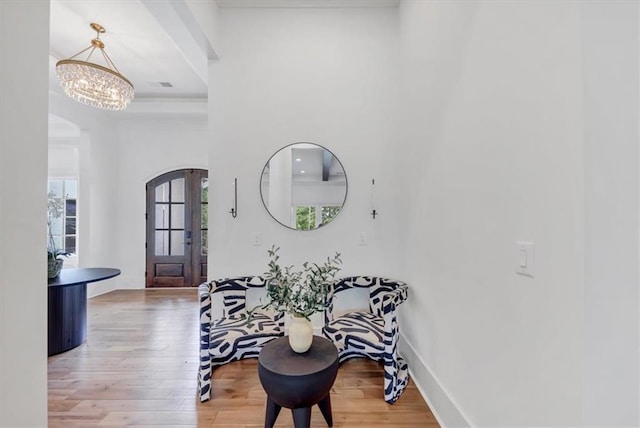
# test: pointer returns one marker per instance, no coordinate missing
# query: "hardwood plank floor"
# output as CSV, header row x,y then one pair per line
x,y
139,365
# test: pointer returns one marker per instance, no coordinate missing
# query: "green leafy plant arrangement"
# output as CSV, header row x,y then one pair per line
x,y
300,292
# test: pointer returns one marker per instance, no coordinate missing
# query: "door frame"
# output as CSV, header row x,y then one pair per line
x,y
194,261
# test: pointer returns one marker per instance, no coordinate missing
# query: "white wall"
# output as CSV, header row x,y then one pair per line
x,y
97,191
119,153
493,116
147,148
325,76
23,195
611,74
64,158
523,116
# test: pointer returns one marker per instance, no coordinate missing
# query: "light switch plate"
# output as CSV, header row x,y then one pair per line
x,y
525,258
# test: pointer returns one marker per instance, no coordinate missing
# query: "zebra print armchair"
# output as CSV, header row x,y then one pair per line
x,y
231,337
374,333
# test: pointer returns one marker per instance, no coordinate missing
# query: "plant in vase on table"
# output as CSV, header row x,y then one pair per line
x,y
301,293
54,255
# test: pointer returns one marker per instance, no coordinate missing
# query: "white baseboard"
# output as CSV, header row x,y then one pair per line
x,y
447,413
98,288
130,282
119,282
102,287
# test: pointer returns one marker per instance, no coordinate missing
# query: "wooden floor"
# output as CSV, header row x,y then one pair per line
x,y
139,364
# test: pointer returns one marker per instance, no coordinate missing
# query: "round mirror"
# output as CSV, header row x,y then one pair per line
x,y
303,186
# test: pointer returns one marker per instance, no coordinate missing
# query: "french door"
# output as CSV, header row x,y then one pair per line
x,y
177,229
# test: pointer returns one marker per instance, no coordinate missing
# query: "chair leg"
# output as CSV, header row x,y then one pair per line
x,y
204,381
396,378
403,375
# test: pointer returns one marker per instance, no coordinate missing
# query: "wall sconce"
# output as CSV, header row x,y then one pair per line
x,y
234,207
374,213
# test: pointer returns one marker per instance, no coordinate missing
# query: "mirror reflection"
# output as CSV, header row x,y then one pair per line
x,y
303,186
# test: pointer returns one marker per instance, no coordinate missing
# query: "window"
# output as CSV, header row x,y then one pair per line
x,y
329,213
64,223
305,217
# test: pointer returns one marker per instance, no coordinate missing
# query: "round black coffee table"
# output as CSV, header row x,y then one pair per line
x,y
298,381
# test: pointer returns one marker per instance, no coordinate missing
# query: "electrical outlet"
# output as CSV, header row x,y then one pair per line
x,y
257,239
363,238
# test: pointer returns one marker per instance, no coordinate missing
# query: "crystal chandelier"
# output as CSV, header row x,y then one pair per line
x,y
93,84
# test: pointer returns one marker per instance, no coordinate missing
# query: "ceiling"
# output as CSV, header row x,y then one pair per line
x,y
156,44
148,40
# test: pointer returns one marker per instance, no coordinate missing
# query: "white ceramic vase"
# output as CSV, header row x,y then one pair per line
x,y
300,334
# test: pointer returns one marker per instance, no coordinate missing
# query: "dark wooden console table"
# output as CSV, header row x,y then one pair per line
x,y
298,381
67,318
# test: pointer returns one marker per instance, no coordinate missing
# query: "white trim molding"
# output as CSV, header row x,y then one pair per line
x,y
442,405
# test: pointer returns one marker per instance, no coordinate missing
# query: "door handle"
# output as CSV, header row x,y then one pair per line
x,y
188,237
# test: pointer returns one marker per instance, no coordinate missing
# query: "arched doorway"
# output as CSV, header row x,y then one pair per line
x,y
176,244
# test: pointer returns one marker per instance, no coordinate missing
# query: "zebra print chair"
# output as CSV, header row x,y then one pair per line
x,y
231,337
374,333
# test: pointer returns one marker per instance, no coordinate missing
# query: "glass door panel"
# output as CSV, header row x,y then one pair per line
x,y
162,243
204,215
177,190
162,192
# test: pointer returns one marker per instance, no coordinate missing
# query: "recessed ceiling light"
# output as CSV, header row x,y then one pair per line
x,y
302,171
298,159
